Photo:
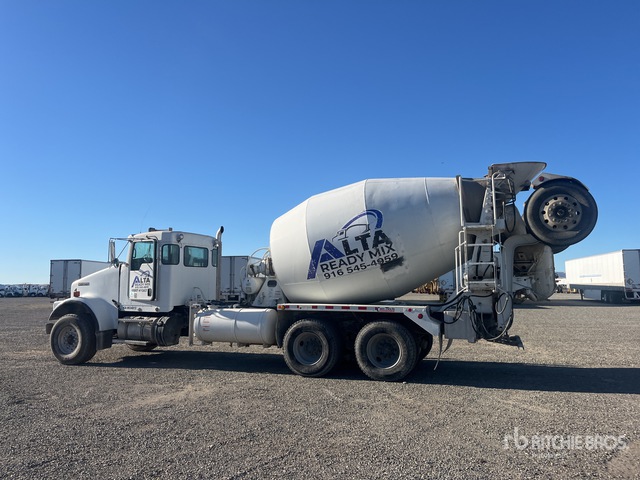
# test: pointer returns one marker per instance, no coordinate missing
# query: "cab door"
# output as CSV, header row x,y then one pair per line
x,y
142,278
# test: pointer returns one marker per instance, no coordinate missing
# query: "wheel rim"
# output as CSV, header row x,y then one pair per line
x,y
68,340
383,351
561,212
308,348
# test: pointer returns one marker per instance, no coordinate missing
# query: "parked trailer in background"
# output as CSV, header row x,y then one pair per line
x,y
232,272
610,277
64,272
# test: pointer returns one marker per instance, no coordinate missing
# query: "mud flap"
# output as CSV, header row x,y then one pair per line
x,y
440,351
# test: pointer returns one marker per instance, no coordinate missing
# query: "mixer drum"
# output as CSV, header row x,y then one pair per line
x,y
366,242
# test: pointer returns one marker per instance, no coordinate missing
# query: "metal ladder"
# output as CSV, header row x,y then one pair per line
x,y
476,265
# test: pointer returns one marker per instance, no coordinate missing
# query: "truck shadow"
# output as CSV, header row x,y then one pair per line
x,y
520,376
572,303
269,363
493,375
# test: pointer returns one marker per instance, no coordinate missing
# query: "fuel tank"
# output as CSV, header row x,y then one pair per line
x,y
369,241
250,326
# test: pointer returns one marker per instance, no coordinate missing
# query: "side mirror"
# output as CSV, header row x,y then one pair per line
x,y
112,253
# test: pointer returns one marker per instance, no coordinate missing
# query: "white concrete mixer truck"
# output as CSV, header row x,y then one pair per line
x,y
327,287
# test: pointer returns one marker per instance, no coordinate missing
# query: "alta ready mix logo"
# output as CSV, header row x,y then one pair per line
x,y
359,245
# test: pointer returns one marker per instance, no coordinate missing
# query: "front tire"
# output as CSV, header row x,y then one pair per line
x,y
73,339
312,348
386,351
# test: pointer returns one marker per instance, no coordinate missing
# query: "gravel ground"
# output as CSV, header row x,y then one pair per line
x,y
220,412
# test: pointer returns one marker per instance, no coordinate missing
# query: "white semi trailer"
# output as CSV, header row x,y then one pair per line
x,y
232,274
610,277
327,286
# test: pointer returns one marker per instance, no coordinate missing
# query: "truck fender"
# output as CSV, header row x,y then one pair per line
x,y
421,318
103,313
546,178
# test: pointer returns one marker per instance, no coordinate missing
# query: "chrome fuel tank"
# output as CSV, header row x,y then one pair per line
x,y
369,241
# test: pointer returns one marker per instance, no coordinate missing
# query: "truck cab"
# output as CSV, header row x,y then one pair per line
x,y
144,301
166,269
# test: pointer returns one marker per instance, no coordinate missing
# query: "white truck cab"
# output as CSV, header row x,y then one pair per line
x,y
143,301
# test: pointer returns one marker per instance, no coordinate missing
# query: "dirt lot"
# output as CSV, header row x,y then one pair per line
x,y
568,406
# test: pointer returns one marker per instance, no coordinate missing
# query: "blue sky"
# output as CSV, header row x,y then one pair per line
x,y
120,115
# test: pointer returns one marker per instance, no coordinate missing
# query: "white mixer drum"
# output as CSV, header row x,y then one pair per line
x,y
369,241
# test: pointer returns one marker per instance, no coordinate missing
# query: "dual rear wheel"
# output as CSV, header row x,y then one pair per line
x,y
387,351
384,350
312,348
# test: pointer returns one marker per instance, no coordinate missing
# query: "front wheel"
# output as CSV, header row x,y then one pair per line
x,y
73,339
386,351
312,348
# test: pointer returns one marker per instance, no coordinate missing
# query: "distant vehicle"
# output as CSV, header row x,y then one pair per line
x,y
35,290
14,291
562,285
24,290
610,277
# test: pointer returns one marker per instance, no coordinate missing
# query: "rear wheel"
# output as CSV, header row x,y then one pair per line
x,y
73,339
424,342
561,214
386,351
312,348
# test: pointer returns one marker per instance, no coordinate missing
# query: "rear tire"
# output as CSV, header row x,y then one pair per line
x,y
386,351
312,348
561,214
424,343
73,339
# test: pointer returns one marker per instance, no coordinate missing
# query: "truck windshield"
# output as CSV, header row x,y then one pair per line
x,y
142,252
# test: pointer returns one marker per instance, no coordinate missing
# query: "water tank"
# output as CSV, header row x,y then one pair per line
x,y
369,241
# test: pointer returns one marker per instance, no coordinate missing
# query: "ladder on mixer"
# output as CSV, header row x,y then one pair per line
x,y
476,265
